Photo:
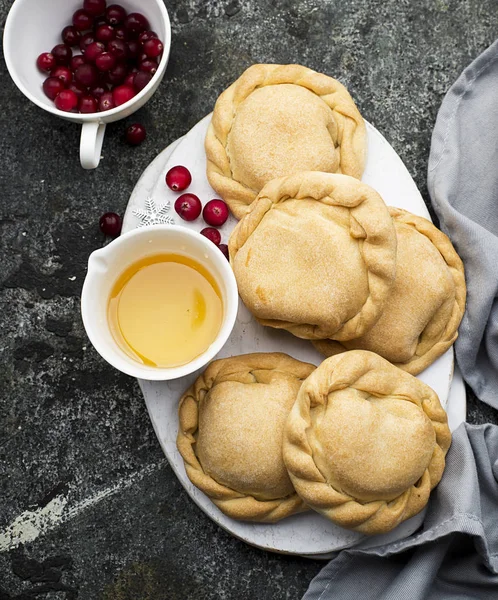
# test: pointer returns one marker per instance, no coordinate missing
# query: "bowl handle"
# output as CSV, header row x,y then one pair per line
x,y
92,137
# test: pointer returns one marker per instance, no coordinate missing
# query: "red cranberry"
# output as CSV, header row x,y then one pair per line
x,y
121,33
94,7
146,35
153,48
82,20
63,73
122,93
118,48
77,88
88,104
105,33
62,54
141,80
76,62
93,50
85,41
110,224
129,79
136,23
224,249
178,178
46,61
116,75
66,101
149,66
87,75
133,49
135,134
215,213
99,21
70,35
98,91
115,14
188,206
105,61
106,102
52,86
212,234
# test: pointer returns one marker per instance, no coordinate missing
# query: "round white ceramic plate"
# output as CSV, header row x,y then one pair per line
x,y
308,533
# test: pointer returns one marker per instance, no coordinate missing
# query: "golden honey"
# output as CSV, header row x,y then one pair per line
x,y
165,310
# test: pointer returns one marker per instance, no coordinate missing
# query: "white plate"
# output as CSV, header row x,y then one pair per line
x,y
308,533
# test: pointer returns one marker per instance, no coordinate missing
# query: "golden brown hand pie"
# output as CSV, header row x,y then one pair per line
x,y
276,120
315,255
422,314
230,435
365,442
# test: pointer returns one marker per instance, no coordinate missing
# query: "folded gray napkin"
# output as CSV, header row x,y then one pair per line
x,y
455,553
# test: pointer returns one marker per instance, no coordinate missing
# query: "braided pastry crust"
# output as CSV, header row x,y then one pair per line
x,y
230,435
276,120
316,255
365,442
423,312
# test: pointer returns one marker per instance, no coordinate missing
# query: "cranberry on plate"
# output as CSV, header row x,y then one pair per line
x,y
178,178
215,213
188,206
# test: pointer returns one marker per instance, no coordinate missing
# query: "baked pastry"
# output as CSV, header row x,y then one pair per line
x,y
230,434
276,120
421,316
365,442
315,255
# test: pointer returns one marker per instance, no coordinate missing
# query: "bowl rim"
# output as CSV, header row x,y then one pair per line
x,y
162,373
88,117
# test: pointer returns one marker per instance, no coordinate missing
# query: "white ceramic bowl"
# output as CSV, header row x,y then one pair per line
x,y
105,266
38,23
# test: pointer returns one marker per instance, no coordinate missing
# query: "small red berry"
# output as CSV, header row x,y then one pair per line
x,y
178,178
122,93
77,88
133,49
105,33
212,234
46,61
105,61
62,54
141,79
116,75
94,7
215,213
52,86
82,20
110,224
88,104
87,75
153,48
76,62
121,33
63,73
115,14
135,23
224,249
93,50
66,101
86,40
118,48
135,134
149,66
188,206
146,35
106,101
70,35
98,91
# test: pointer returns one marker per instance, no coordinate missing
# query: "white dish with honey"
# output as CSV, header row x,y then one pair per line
x,y
307,533
159,303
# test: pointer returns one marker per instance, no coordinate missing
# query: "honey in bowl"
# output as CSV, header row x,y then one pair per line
x,y
165,310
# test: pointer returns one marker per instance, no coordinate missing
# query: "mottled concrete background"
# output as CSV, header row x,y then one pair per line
x,y
70,426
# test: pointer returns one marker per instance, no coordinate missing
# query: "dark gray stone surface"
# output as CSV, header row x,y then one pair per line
x,y
71,425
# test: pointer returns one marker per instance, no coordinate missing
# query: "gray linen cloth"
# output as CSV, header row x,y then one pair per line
x,y
455,553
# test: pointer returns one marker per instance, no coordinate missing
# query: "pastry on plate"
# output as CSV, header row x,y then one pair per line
x,y
276,120
315,255
365,442
421,316
230,434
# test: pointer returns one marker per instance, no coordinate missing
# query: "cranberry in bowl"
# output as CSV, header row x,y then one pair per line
x,y
46,25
